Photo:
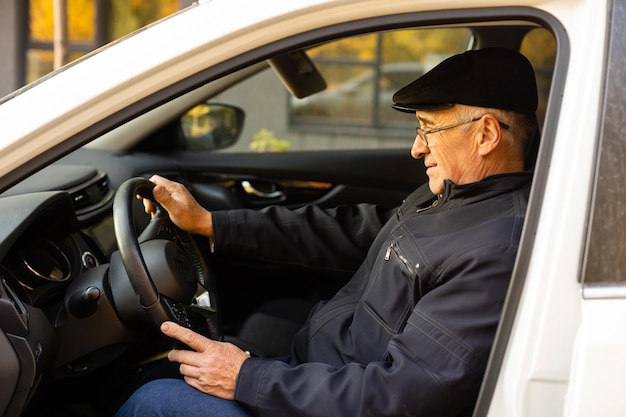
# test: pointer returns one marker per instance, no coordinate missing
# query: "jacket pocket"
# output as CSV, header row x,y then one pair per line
x,y
389,298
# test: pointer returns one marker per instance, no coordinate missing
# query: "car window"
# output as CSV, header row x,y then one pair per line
x,y
354,111
361,73
605,262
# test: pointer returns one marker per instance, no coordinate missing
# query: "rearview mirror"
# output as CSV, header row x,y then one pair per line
x,y
211,126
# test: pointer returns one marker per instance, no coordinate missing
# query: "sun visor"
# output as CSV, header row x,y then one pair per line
x,y
298,73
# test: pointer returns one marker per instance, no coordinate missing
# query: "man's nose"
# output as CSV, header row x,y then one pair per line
x,y
418,150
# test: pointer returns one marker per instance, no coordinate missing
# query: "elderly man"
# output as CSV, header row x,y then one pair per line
x,y
411,332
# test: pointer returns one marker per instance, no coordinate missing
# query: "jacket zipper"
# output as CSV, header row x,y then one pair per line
x,y
389,249
393,244
434,204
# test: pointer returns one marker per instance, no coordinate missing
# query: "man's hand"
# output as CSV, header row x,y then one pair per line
x,y
213,367
183,209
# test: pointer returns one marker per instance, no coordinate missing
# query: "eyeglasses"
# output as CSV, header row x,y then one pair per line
x,y
421,133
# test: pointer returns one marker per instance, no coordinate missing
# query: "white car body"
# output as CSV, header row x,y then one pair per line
x,y
566,353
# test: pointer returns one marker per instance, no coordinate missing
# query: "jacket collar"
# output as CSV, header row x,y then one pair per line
x,y
485,188
457,195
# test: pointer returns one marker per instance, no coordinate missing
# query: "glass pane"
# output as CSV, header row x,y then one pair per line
x,y
81,20
41,20
392,77
38,63
354,49
126,16
426,46
605,261
539,46
348,98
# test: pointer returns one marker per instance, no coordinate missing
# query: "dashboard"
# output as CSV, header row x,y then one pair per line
x,y
57,314
49,252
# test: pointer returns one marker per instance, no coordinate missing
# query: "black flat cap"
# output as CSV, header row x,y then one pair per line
x,y
497,78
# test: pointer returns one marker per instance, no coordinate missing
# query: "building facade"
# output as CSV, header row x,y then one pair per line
x,y
36,36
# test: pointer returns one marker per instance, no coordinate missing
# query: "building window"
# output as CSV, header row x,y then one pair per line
x,y
61,31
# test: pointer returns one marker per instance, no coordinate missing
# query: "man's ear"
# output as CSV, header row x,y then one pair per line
x,y
490,135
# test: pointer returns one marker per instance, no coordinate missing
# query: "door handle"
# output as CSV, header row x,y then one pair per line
x,y
251,190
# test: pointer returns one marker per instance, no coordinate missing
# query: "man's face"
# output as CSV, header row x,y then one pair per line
x,y
450,153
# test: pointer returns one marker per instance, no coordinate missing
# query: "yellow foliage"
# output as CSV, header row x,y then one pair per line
x,y
404,45
129,15
125,16
265,141
41,20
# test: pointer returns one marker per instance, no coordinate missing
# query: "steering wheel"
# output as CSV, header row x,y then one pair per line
x,y
165,265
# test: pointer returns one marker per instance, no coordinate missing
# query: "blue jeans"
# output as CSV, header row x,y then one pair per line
x,y
174,397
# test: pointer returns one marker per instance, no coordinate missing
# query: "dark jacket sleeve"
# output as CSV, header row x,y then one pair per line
x,y
434,366
335,239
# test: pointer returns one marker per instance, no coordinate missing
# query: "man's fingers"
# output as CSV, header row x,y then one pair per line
x,y
157,179
190,338
189,371
148,206
160,194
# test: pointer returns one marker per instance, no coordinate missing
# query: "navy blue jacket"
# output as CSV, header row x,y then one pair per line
x,y
410,333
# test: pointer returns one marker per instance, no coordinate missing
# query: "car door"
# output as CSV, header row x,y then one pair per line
x,y
293,149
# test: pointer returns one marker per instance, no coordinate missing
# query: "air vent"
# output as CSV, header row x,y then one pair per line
x,y
91,195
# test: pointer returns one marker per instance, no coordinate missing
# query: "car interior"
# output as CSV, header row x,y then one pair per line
x,y
310,123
